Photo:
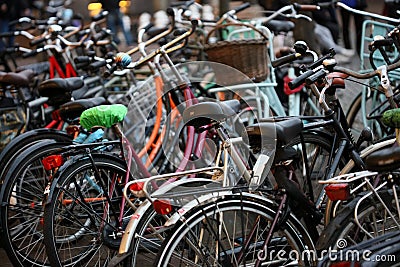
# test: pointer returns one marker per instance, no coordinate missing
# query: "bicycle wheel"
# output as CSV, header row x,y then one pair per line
x,y
314,162
343,230
149,234
81,215
218,233
21,214
25,140
361,108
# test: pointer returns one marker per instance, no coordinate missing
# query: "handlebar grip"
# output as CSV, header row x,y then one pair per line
x,y
99,36
316,76
30,54
98,64
242,7
13,22
81,59
37,41
148,26
296,82
110,71
299,7
285,59
170,12
100,16
382,42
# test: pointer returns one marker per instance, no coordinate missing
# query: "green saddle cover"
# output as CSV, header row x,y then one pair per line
x,y
103,115
391,118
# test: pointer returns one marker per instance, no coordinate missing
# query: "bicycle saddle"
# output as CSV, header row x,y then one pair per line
x,y
103,115
17,78
58,86
203,114
387,159
72,110
282,131
279,25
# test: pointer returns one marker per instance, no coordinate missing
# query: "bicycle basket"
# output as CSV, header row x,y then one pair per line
x,y
249,56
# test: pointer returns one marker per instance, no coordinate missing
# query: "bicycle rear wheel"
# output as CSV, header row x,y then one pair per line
x,y
24,141
21,214
313,162
343,231
233,227
81,215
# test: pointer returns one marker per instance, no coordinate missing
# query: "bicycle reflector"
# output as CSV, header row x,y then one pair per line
x,y
338,191
162,207
52,162
136,186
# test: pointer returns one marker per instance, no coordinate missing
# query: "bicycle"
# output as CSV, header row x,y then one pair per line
x,y
52,246
364,196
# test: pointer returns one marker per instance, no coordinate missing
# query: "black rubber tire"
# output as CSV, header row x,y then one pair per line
x,y
24,141
22,210
343,231
291,234
74,230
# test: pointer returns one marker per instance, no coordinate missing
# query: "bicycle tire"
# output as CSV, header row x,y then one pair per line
x,y
25,140
293,234
78,233
150,230
320,144
21,212
344,227
355,120
142,252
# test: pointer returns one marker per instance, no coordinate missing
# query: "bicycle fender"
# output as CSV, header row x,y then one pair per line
x,y
9,176
206,199
137,216
33,133
131,227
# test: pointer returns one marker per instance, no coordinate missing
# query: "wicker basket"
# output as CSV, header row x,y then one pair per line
x,y
249,56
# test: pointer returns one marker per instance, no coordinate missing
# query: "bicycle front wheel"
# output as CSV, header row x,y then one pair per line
x,y
230,232
364,106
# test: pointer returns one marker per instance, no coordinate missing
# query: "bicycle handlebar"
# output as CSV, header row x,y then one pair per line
x,y
168,45
299,7
285,59
367,75
163,49
241,8
365,13
171,27
300,79
38,41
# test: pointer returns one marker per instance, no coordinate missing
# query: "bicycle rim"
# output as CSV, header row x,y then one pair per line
x,y
81,221
217,234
